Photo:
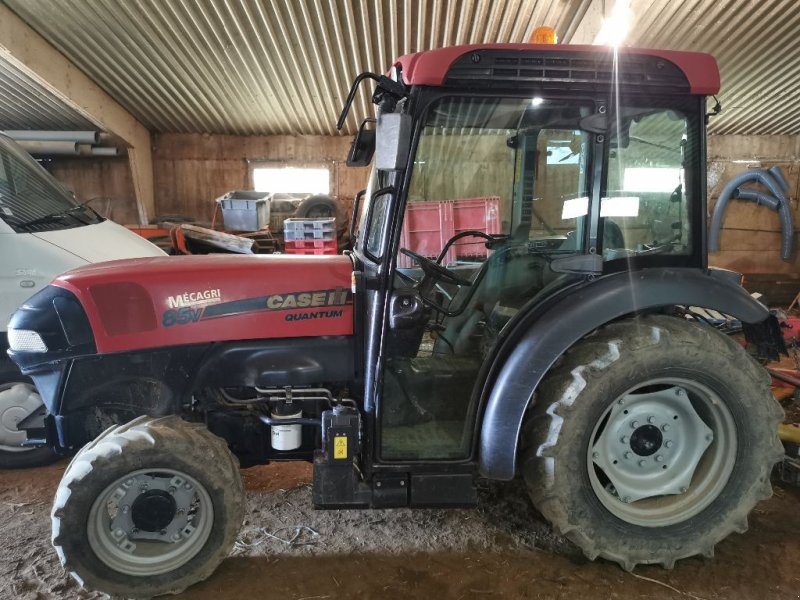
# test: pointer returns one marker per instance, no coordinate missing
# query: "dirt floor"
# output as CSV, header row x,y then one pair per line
x,y
503,549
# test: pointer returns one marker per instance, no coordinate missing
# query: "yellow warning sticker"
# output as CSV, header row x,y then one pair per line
x,y
340,447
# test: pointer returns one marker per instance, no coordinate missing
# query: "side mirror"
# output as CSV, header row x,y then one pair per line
x,y
363,146
354,217
393,141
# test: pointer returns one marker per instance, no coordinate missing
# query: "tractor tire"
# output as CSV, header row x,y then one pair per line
x,y
148,508
651,441
18,398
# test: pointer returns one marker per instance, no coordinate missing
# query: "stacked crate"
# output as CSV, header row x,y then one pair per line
x,y
428,225
310,236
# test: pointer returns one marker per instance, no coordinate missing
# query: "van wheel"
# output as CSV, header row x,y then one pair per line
x,y
651,441
148,508
18,399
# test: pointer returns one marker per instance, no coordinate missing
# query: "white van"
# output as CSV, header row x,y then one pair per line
x,y
43,232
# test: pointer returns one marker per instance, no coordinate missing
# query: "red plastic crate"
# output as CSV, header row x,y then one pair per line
x,y
428,226
311,247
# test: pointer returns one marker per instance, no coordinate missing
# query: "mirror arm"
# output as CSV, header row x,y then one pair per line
x,y
394,88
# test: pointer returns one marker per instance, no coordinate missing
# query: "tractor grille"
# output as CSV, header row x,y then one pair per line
x,y
575,71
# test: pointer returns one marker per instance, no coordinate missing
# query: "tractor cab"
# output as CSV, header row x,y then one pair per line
x,y
524,171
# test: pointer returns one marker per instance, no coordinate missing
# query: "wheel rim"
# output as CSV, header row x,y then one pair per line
x,y
18,399
662,452
150,522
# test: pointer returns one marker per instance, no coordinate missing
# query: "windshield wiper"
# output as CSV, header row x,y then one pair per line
x,y
57,216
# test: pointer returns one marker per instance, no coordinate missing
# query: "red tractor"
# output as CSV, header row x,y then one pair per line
x,y
555,344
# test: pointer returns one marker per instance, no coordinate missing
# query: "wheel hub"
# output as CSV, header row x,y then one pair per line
x,y
151,507
646,440
153,510
651,444
17,401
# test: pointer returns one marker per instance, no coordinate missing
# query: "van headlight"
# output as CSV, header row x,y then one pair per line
x,y
24,340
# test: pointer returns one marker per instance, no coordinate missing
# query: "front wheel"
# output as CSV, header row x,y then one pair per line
x,y
651,441
148,508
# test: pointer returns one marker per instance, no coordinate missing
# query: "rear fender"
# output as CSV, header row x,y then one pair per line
x,y
546,331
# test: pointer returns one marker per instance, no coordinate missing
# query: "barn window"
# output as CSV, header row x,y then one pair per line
x,y
292,180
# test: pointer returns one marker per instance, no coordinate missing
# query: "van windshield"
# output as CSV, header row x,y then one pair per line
x,y
31,200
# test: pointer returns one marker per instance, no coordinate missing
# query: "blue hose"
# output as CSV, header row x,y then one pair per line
x,y
776,183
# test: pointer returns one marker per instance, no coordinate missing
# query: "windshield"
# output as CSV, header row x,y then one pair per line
x,y
31,199
508,166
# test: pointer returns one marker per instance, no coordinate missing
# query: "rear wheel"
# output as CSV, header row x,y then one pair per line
x,y
148,508
651,441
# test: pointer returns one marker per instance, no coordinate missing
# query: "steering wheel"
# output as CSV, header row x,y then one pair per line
x,y
435,270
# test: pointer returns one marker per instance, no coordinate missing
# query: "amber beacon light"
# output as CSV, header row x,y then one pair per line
x,y
543,35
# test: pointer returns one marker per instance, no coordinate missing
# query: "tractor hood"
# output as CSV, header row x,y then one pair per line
x,y
155,302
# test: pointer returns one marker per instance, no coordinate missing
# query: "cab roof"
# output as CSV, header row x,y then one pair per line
x,y
431,67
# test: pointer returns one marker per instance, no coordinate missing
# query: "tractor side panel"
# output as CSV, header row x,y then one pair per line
x,y
152,303
546,331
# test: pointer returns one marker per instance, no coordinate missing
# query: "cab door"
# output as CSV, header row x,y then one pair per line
x,y
499,188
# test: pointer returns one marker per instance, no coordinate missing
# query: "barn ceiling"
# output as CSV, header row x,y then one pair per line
x,y
284,66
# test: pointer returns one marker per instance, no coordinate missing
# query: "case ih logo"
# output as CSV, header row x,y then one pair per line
x,y
194,298
192,307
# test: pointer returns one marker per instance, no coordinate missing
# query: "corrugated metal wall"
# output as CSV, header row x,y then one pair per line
x,y
283,66
24,104
757,45
270,66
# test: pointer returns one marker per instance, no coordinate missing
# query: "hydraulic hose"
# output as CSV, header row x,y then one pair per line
x,y
769,181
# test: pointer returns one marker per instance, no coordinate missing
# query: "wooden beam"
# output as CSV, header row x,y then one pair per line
x,y
29,52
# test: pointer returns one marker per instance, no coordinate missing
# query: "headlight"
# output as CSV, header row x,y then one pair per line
x,y
24,340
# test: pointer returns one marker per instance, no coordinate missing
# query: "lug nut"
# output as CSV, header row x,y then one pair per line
x,y
651,419
627,455
172,489
668,444
684,490
626,499
595,455
624,439
665,427
634,424
125,509
642,463
187,486
679,392
176,537
709,437
659,458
